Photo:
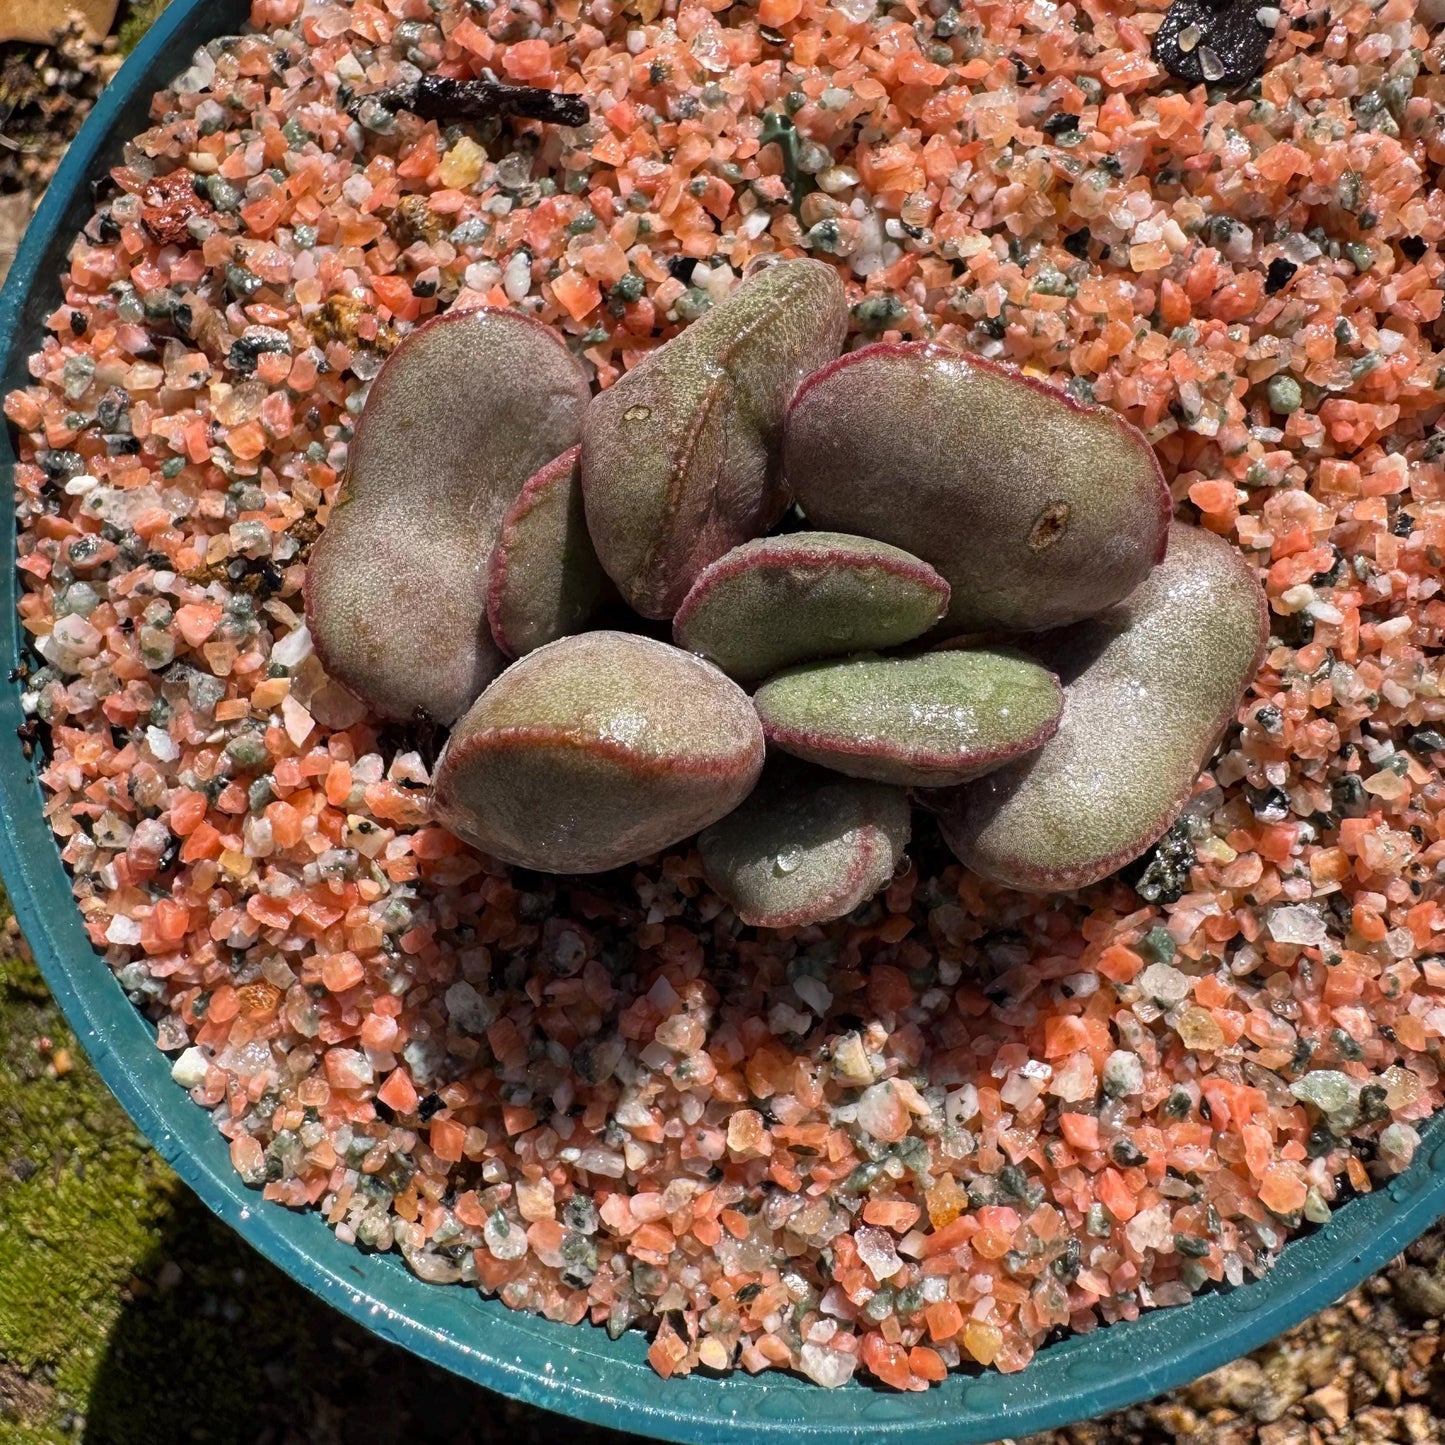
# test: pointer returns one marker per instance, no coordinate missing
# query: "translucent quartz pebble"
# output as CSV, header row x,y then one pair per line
x,y
825,1366
1333,1092
1123,1074
1297,923
877,1250
882,1112
1398,1143
1164,983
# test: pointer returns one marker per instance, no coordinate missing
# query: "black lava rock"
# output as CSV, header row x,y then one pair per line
x,y
1215,44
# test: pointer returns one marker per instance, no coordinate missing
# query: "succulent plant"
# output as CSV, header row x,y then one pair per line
x,y
464,411
807,846
681,457
1038,510
546,581
923,722
472,523
1149,687
780,600
595,751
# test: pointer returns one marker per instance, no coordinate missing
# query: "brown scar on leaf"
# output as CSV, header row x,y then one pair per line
x,y
1049,527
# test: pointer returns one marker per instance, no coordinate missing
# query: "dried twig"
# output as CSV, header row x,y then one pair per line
x,y
437,98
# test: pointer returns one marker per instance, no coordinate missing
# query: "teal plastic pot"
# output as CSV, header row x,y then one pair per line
x,y
576,1371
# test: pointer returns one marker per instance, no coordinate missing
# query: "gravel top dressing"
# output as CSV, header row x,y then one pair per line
x,y
962,1117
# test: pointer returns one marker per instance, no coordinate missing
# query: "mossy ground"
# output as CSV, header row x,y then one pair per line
x,y
81,1200
136,19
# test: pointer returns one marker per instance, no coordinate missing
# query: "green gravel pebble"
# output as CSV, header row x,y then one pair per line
x,y
1334,1093
1285,396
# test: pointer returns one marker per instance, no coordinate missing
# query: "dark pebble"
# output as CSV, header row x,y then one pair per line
x,y
1228,33
1280,274
248,348
59,465
113,409
1269,805
1162,874
438,98
1424,741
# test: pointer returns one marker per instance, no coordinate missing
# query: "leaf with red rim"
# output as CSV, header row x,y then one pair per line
x,y
779,600
681,457
925,722
546,581
1037,509
465,410
808,846
1149,687
595,751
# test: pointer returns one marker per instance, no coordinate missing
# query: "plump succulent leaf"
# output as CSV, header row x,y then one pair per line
x,y
806,847
681,458
464,411
1038,510
595,751
780,600
546,581
1149,687
923,722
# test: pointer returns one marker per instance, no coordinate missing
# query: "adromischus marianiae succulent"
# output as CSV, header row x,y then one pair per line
x,y
599,748
464,411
